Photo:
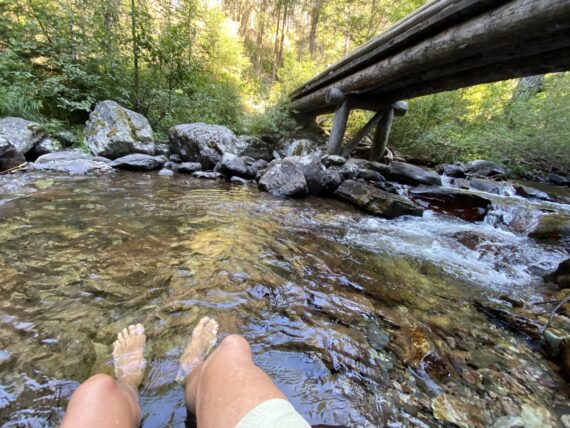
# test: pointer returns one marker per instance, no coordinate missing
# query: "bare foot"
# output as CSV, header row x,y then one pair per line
x,y
128,356
203,340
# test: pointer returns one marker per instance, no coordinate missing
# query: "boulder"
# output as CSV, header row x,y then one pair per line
x,y
333,160
559,180
200,142
254,147
313,170
139,162
451,170
483,185
484,169
21,133
240,166
73,162
374,166
284,178
552,229
114,131
458,203
407,173
296,147
376,201
47,145
332,179
10,157
542,191
349,171
561,276
189,167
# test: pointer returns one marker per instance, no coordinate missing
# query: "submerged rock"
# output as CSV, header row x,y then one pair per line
x,y
458,411
74,162
462,204
411,174
376,201
485,169
10,157
139,162
22,134
284,178
114,131
200,142
189,167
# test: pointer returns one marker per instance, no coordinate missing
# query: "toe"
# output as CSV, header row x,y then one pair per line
x,y
132,331
139,329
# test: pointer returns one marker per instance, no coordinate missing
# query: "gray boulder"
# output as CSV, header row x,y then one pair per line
x,y
241,166
332,160
66,138
314,172
189,167
114,131
485,169
373,166
483,185
451,170
241,181
284,178
370,175
10,157
199,142
411,174
73,162
295,147
165,172
349,171
253,147
139,162
23,134
332,179
47,145
376,201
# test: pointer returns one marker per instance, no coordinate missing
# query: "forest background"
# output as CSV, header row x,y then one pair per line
x,y
233,62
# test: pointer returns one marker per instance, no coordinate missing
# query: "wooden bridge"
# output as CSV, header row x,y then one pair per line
x,y
445,45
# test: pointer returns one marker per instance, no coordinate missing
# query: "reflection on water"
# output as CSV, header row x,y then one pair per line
x,y
361,321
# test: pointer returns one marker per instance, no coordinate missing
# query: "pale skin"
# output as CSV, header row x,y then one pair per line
x,y
219,390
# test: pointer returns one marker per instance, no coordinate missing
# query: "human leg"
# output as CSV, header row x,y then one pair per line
x,y
102,401
228,385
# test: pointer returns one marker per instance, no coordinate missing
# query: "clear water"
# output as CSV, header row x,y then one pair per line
x,y
361,321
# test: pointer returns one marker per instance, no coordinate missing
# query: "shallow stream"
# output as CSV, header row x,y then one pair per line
x,y
361,321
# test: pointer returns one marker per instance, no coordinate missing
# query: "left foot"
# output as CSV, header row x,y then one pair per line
x,y
128,356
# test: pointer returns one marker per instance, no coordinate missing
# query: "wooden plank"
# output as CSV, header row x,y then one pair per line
x,y
381,136
338,129
402,35
516,22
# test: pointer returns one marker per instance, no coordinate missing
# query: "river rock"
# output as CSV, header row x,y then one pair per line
x,y
459,411
553,229
284,178
458,203
411,174
303,147
332,179
370,175
10,157
254,147
162,150
484,185
240,166
484,169
189,167
114,131
47,145
66,138
454,170
200,142
333,160
542,191
22,134
208,175
374,166
376,201
561,276
165,172
73,162
241,181
349,171
559,180
139,162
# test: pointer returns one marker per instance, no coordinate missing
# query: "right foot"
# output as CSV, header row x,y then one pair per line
x,y
203,340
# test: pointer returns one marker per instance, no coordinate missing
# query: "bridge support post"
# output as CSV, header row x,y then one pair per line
x,y
370,125
381,136
338,129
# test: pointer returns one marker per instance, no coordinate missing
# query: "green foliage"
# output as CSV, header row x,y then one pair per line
x,y
275,120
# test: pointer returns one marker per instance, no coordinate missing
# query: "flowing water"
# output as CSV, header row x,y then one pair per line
x,y
361,321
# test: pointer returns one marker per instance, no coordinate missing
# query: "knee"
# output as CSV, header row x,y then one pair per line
x,y
99,383
235,343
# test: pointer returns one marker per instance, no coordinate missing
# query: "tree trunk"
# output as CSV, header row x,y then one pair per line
x,y
135,54
527,87
315,16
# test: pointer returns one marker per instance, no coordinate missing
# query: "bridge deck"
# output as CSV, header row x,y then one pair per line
x,y
447,44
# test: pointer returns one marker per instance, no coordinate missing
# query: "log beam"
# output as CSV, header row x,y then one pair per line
x,y
381,137
338,129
